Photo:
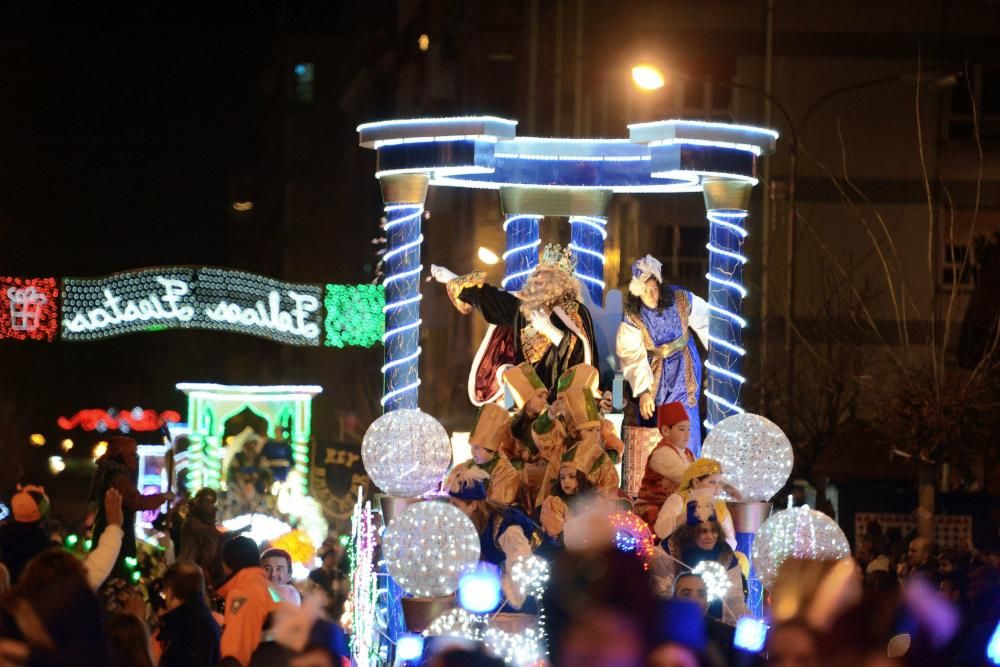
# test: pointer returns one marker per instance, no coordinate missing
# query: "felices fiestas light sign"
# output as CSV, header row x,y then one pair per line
x,y
192,298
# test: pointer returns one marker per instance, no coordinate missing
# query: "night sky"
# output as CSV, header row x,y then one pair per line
x,y
126,133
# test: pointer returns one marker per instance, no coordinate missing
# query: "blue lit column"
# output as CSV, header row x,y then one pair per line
x,y
726,201
747,519
521,256
404,196
587,235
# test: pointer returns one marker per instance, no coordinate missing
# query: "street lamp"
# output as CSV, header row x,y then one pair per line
x,y
648,77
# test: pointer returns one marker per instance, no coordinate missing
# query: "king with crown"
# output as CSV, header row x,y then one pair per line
x,y
545,324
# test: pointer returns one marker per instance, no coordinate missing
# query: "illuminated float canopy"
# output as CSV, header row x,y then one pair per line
x,y
483,152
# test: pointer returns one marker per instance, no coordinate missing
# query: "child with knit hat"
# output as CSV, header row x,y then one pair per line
x,y
700,486
666,463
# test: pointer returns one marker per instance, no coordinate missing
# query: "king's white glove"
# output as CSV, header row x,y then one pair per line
x,y
441,274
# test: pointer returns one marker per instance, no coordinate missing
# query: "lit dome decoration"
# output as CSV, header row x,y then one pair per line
x,y
755,454
429,547
632,535
406,453
798,532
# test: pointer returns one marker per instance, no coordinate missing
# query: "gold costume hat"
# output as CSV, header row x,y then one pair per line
x,y
486,429
582,456
523,382
700,468
577,387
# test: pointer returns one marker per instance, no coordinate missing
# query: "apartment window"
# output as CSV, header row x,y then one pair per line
x,y
984,83
957,265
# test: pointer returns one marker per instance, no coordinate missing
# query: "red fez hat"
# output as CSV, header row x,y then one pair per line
x,y
669,414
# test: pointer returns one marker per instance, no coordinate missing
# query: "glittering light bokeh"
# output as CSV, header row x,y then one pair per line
x,y
798,532
429,547
755,454
406,453
715,577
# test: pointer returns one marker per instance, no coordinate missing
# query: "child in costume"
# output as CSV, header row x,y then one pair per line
x,y
667,462
505,533
516,440
574,423
571,487
504,482
701,482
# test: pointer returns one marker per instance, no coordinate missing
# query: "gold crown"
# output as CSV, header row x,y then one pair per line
x,y
559,257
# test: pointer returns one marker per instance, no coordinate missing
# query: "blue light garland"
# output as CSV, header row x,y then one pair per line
x,y
402,306
587,235
521,258
725,301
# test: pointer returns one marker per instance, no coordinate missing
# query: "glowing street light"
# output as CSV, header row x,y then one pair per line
x,y
648,77
37,439
100,449
66,445
487,256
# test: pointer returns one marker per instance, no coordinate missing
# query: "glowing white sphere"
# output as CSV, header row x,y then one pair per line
x,y
716,579
429,547
755,454
406,453
798,532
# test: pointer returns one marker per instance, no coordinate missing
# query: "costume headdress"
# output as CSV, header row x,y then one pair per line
x,y
486,429
523,382
577,386
582,456
558,257
642,270
669,414
700,468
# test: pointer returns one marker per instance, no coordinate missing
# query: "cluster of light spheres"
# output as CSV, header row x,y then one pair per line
x,y
429,547
798,532
406,453
755,454
715,577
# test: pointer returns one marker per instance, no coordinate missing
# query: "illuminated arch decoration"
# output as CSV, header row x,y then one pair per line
x,y
574,179
211,405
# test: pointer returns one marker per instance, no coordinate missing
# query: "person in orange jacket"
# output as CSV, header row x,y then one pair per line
x,y
249,601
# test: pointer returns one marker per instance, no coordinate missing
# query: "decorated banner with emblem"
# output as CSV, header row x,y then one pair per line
x,y
335,476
